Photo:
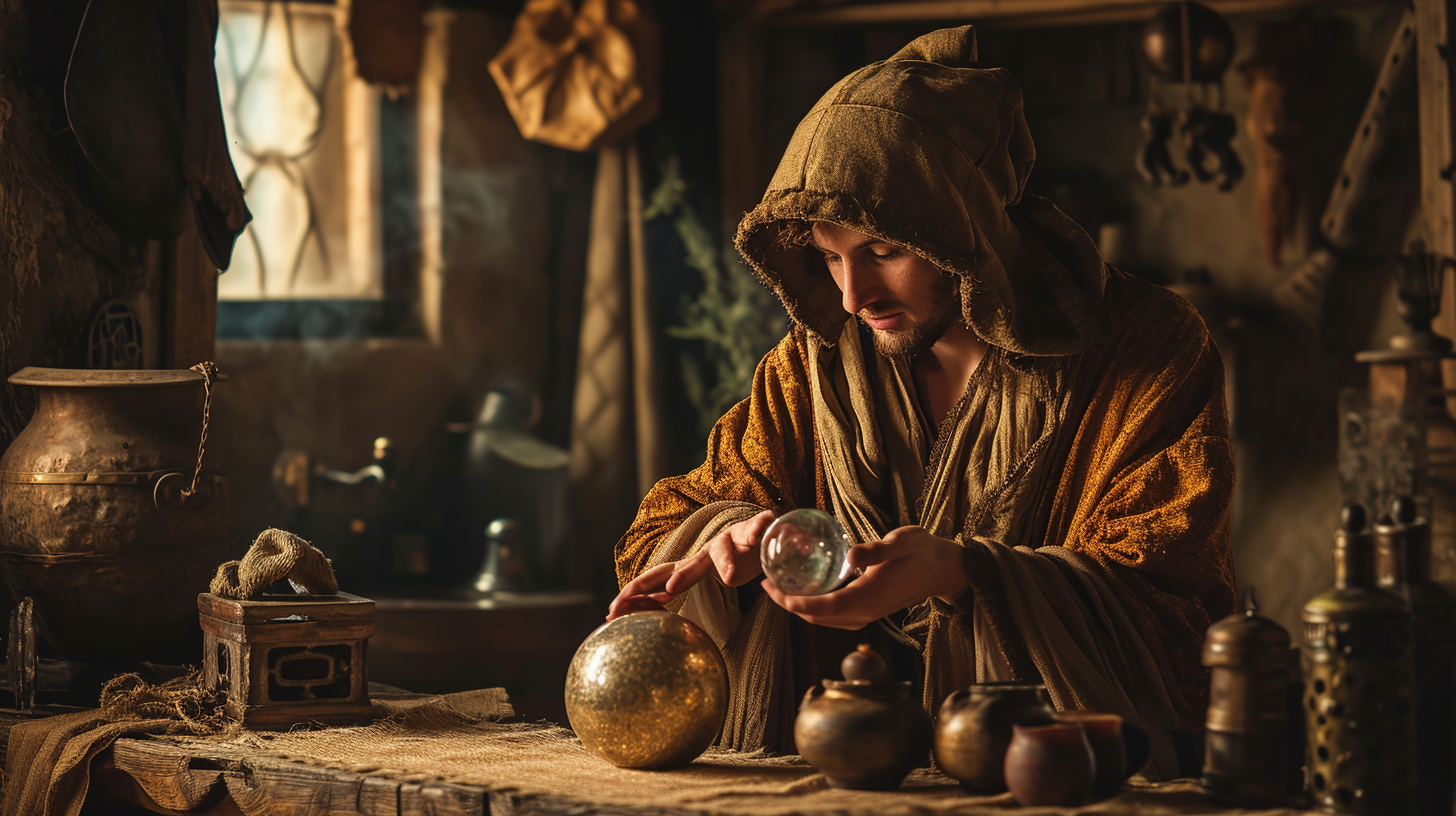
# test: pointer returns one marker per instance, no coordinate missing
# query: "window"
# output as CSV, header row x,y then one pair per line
x,y
305,138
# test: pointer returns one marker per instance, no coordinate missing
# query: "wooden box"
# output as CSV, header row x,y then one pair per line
x,y
284,659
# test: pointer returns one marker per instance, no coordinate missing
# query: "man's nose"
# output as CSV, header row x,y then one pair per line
x,y
858,286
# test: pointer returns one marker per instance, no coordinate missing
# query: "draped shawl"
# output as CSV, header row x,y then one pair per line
x,y
1086,471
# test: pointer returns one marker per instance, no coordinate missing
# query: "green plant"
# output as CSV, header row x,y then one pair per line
x,y
733,319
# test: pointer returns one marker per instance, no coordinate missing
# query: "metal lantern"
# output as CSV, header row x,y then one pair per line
x,y
1247,754
1403,566
1359,719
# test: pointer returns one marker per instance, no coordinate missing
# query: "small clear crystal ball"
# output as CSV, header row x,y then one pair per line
x,y
806,552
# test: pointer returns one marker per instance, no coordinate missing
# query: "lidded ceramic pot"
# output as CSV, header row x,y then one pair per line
x,y
866,731
973,731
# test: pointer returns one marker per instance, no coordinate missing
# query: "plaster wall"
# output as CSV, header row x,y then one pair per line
x,y
490,318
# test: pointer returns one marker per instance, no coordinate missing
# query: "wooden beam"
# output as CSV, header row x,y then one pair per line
x,y
1349,215
1438,194
744,171
1433,88
1025,12
189,301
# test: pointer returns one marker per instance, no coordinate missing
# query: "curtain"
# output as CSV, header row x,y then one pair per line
x,y
616,449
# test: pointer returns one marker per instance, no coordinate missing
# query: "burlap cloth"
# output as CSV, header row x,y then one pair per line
x,y
456,739
275,555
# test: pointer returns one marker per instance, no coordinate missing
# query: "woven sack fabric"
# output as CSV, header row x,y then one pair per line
x,y
580,78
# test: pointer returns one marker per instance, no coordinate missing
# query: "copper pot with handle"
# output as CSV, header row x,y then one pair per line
x,y
112,514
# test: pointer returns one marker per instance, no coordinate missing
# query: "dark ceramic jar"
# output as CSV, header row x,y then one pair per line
x,y
95,525
1050,764
973,731
864,732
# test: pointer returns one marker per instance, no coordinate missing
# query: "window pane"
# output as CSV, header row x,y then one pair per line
x,y
304,136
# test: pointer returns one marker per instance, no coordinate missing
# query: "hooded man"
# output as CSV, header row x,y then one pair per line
x,y
1030,447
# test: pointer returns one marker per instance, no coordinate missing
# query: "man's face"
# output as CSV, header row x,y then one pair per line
x,y
905,299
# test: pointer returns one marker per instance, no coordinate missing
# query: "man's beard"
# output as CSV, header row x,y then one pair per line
x,y
923,334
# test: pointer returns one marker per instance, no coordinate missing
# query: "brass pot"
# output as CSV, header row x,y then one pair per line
x,y
863,732
94,523
973,731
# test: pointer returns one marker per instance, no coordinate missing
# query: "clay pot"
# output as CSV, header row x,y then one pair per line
x,y
973,731
1050,764
1105,733
863,732
93,523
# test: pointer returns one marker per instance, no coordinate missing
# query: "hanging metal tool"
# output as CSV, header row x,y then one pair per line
x,y
1190,44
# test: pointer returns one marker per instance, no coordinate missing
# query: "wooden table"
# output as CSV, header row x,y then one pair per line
x,y
182,775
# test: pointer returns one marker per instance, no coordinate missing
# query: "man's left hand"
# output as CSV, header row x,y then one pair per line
x,y
906,567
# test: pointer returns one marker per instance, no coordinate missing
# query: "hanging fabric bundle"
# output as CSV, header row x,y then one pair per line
x,y
151,67
580,78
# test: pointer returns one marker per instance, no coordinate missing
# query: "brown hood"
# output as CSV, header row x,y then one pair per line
x,y
929,152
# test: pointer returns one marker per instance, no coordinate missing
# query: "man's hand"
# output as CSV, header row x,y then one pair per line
x,y
731,554
906,567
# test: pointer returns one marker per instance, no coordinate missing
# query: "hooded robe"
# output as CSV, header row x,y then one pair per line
x,y
1086,471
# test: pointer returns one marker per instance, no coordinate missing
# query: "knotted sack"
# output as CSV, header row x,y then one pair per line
x,y
580,78
275,555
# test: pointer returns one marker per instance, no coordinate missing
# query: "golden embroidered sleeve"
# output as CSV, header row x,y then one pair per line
x,y
760,453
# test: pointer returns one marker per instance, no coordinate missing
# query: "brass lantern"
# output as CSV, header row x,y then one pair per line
x,y
1248,758
1360,725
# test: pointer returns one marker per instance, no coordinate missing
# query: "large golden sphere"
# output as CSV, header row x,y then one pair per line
x,y
647,690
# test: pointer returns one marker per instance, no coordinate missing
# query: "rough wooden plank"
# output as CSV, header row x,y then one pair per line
x,y
744,171
166,776
378,794
1433,89
268,785
270,789
292,632
1438,195
1029,12
115,791
442,799
1358,191
189,302
340,606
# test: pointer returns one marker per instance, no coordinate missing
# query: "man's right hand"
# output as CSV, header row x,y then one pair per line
x,y
731,554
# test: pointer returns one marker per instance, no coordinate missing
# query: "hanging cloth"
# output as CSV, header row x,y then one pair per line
x,y
580,78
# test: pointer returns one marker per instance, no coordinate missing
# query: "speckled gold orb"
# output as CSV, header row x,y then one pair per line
x,y
647,690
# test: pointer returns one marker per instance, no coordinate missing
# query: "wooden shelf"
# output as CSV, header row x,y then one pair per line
x,y
1024,12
